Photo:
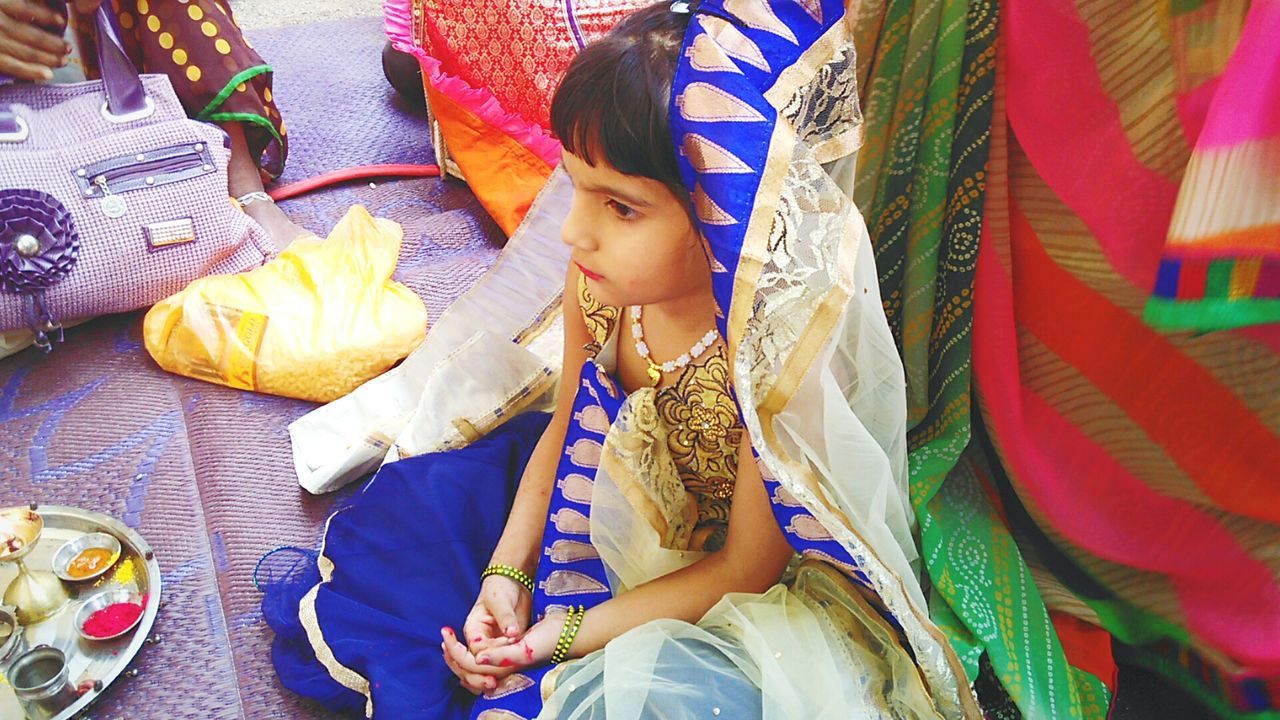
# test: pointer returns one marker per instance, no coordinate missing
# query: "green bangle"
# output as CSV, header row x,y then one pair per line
x,y
572,622
513,573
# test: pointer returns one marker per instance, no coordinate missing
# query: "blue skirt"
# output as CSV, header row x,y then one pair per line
x,y
407,554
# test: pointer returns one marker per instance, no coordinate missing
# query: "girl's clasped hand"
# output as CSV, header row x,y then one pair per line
x,y
496,638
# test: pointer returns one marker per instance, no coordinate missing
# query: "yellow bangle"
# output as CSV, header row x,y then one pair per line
x,y
507,571
572,622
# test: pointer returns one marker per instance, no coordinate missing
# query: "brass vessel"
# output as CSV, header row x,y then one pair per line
x,y
36,594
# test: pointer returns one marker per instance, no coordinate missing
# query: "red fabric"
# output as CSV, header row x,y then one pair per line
x,y
491,68
1147,456
1087,647
516,50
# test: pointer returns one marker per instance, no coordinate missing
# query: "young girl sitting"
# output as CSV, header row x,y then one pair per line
x,y
714,521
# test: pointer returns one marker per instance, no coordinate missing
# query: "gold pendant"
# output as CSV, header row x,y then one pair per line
x,y
655,375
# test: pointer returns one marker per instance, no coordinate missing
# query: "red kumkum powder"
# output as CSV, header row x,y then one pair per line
x,y
112,620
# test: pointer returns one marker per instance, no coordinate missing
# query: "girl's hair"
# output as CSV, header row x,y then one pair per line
x,y
613,103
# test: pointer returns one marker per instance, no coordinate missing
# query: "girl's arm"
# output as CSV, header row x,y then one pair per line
x,y
521,540
752,559
501,612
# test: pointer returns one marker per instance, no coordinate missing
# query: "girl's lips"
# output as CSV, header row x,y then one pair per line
x,y
590,275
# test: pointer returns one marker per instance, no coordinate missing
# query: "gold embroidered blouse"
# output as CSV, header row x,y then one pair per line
x,y
699,419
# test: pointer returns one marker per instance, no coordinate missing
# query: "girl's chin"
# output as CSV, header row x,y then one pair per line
x,y
604,293
608,293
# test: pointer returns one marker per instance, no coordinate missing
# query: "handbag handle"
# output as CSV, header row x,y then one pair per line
x,y
126,98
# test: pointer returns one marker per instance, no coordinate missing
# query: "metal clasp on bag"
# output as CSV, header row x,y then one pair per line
x,y
13,128
148,109
19,135
43,339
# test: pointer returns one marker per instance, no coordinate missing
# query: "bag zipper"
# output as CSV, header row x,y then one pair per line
x,y
150,169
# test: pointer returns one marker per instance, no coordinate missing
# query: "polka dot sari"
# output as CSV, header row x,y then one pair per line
x,y
217,75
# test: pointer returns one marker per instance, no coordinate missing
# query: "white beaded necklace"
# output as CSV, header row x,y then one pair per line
x,y
655,369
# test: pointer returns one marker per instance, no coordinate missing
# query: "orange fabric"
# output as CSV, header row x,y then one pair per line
x,y
1261,238
504,175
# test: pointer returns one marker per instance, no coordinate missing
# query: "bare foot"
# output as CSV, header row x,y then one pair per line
x,y
277,224
243,178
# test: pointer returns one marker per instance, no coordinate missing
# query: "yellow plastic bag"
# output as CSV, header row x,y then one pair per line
x,y
313,324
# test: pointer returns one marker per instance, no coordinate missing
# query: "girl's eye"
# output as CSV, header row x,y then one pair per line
x,y
624,212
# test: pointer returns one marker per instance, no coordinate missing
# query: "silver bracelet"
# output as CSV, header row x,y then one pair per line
x,y
249,198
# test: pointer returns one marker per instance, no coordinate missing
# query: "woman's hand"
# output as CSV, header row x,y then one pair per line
x,y
484,671
29,47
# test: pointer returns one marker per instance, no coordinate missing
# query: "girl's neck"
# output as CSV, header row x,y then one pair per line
x,y
690,312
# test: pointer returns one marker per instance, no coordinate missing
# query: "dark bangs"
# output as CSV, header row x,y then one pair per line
x,y
613,103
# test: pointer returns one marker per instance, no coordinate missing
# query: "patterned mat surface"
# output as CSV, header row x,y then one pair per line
x,y
205,472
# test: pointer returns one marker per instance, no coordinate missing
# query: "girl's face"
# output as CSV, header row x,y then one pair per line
x,y
631,237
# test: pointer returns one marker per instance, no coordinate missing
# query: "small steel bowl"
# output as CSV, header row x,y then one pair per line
x,y
71,549
107,599
14,643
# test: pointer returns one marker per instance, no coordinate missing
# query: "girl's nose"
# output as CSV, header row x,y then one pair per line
x,y
576,231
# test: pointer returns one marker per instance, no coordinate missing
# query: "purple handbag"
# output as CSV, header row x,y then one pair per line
x,y
111,199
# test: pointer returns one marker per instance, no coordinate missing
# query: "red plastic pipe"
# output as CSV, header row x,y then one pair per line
x,y
363,172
